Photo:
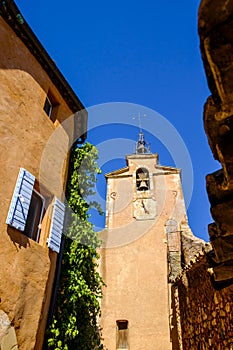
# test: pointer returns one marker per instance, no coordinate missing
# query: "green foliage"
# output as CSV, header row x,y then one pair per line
x,y
74,323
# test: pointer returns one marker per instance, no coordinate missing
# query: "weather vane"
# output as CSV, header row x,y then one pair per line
x,y
139,120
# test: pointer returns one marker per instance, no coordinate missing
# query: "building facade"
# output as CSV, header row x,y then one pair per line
x,y
141,253
39,123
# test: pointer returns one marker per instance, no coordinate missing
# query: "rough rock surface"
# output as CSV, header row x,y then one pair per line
x,y
191,246
216,42
204,313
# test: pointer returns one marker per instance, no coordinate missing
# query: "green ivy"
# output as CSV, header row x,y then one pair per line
x,y
74,324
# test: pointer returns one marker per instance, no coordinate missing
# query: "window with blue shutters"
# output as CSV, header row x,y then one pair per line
x,y
56,226
27,210
20,203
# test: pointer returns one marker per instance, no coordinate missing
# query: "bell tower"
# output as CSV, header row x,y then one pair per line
x,y
141,250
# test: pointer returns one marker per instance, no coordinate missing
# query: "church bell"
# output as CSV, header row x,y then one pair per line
x,y
143,186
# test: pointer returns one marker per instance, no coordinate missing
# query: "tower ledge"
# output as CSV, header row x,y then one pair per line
x,y
143,156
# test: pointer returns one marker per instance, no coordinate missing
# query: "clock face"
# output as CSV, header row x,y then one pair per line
x,y
144,208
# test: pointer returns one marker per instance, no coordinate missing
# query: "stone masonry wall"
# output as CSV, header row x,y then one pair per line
x,y
205,313
215,23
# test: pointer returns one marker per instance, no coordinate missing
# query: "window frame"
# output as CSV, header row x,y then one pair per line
x,y
49,103
42,213
53,103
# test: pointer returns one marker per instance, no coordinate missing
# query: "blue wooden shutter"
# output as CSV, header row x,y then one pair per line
x,y
56,227
18,212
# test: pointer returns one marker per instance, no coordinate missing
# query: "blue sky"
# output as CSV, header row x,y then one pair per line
x,y
144,53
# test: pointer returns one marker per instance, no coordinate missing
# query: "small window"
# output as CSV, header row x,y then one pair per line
x,y
48,107
35,215
51,106
142,179
122,334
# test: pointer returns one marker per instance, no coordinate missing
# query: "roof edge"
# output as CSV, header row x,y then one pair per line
x,y
117,172
12,15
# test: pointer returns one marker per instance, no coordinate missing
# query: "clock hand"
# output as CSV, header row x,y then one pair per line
x,y
144,207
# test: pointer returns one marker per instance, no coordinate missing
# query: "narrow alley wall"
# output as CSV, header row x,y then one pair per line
x,y
204,309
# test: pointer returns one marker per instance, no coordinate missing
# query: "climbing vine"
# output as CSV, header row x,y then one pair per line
x,y
74,323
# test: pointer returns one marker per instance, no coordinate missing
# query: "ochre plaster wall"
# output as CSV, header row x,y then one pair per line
x,y
27,267
134,258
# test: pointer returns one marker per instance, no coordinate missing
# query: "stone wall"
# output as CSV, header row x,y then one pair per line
x,y
204,313
216,43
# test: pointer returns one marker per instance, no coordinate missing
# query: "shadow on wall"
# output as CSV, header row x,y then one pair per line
x,y
19,240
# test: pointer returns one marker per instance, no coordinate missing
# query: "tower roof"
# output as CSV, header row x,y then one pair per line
x,y
142,146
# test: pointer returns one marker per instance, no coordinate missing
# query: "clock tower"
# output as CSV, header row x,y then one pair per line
x,y
141,252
